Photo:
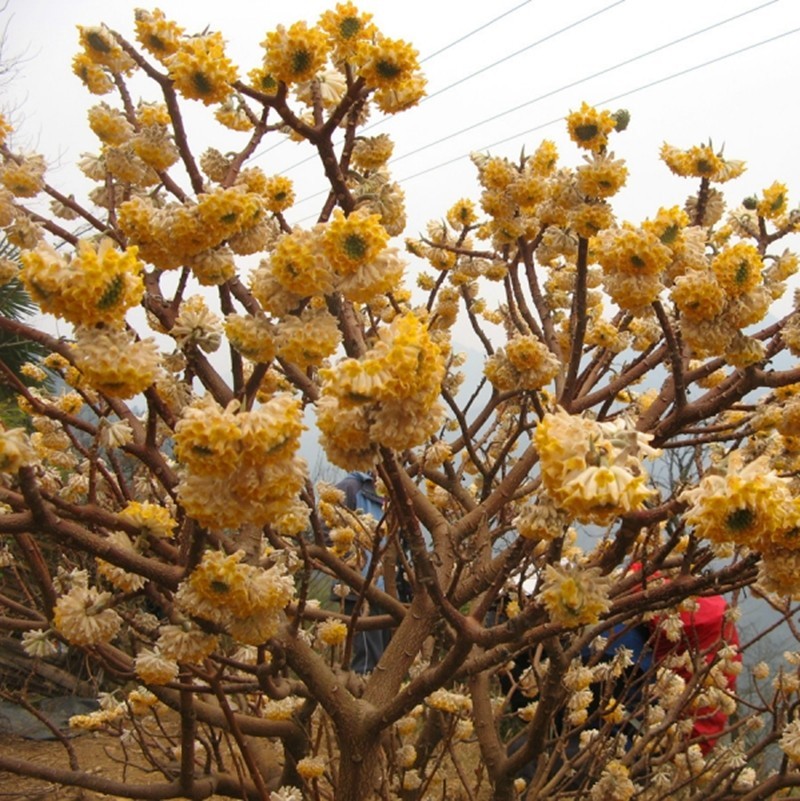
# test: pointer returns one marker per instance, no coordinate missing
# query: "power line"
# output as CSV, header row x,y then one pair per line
x,y
473,32
486,68
524,49
427,58
570,85
597,74
606,100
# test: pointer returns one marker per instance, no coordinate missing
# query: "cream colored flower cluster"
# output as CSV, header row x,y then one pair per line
x,y
592,470
574,596
525,363
241,466
84,617
246,600
347,255
751,505
389,397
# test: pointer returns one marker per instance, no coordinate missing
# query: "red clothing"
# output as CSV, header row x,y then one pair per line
x,y
705,631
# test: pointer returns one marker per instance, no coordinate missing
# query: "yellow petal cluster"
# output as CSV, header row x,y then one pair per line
x,y
748,504
526,363
589,128
295,54
82,616
241,466
574,596
156,33
592,470
169,237
200,69
98,285
700,161
113,362
245,599
398,381
346,27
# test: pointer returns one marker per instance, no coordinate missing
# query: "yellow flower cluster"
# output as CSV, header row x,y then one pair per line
x,y
82,616
348,255
24,177
241,466
701,161
592,470
109,124
295,54
152,667
389,397
200,69
526,363
351,242
308,339
97,286
15,450
346,27
589,128
152,519
749,504
114,362
101,48
574,596
156,33
372,152
169,237
253,337
117,576
633,261
247,600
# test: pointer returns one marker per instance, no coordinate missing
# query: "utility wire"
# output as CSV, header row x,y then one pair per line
x,y
552,92
473,32
427,58
606,100
597,74
527,47
478,72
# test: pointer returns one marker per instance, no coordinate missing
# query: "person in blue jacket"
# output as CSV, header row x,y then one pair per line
x,y
360,493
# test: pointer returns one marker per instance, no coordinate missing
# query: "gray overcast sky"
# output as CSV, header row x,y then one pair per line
x,y
748,101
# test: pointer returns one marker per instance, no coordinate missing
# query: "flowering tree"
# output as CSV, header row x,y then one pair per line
x,y
166,476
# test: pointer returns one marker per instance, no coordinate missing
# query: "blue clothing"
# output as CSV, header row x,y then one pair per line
x,y
368,646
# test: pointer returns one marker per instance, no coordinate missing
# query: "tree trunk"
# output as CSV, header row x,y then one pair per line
x,y
359,766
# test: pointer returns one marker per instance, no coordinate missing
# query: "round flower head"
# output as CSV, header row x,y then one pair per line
x,y
750,505
346,28
94,77
332,632
15,450
201,70
97,286
25,177
295,54
738,268
350,242
157,34
372,152
700,161
386,63
278,192
574,596
110,125
589,128
82,616
153,667
113,362
154,520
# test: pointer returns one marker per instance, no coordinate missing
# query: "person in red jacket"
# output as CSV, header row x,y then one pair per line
x,y
706,630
